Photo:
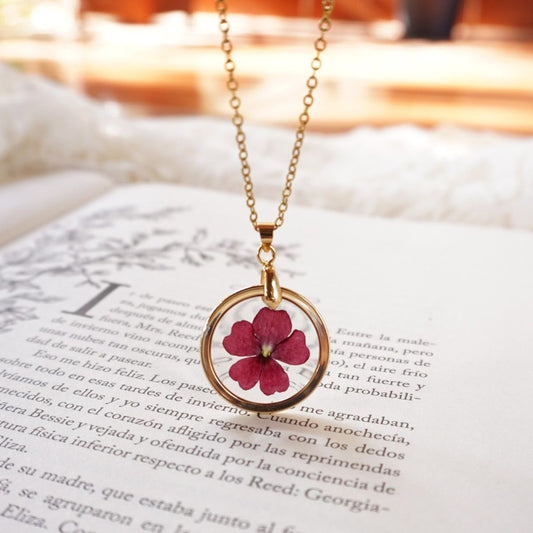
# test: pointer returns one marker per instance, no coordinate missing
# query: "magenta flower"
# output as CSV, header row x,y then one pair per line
x,y
264,342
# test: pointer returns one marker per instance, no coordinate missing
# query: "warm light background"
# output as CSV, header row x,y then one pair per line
x,y
162,57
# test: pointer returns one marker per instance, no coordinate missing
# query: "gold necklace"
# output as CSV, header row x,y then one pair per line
x,y
277,359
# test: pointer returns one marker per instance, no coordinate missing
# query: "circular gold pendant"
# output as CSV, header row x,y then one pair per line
x,y
262,359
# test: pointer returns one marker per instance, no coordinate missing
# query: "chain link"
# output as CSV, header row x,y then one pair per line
x,y
235,103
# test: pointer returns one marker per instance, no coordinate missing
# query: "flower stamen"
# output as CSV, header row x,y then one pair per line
x,y
266,351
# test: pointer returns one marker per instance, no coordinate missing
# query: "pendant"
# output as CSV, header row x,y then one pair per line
x,y
265,348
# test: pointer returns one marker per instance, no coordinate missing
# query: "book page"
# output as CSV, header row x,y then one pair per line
x,y
28,203
108,423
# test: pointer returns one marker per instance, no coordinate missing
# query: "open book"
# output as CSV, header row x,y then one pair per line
x,y
108,424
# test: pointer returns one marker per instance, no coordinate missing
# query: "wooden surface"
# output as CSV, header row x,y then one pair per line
x,y
477,84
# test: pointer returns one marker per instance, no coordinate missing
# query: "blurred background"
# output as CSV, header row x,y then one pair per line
x,y
425,62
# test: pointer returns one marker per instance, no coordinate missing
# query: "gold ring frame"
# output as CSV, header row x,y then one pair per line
x,y
207,339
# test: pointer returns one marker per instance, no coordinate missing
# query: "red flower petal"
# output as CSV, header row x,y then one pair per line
x,y
242,341
246,371
293,350
271,327
273,378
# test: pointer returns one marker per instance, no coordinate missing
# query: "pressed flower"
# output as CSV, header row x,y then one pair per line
x,y
262,343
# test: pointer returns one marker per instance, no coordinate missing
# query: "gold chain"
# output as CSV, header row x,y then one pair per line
x,y
235,102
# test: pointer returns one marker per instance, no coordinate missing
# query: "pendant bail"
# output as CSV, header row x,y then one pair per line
x,y
271,287
269,280
266,232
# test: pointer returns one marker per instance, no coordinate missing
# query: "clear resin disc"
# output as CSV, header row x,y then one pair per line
x,y
261,359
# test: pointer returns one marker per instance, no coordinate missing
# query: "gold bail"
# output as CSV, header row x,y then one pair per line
x,y
269,279
271,288
266,231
